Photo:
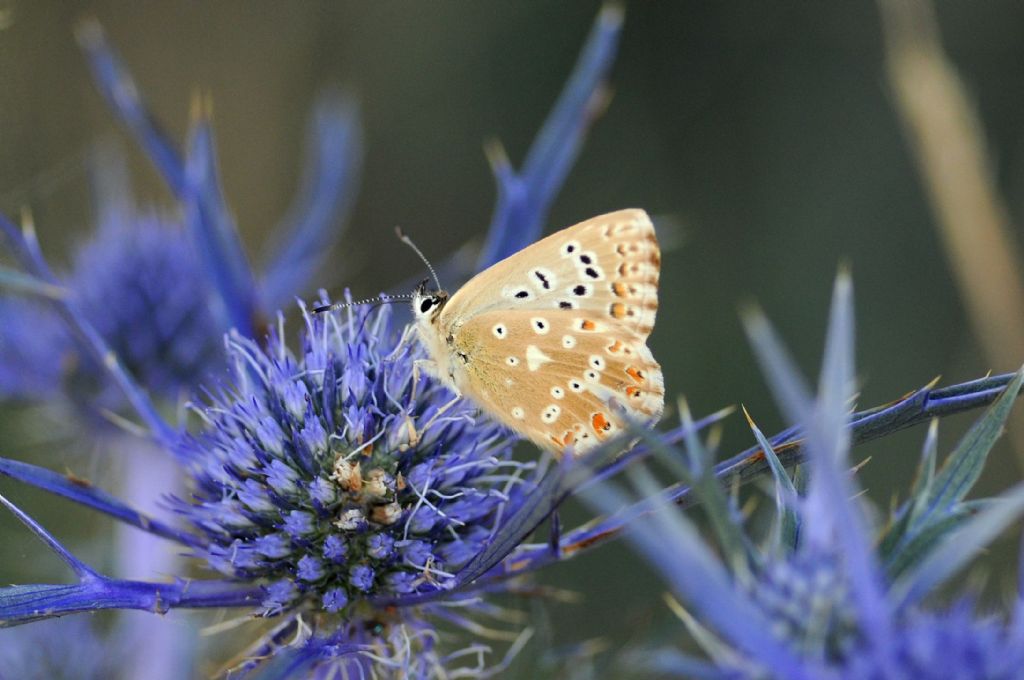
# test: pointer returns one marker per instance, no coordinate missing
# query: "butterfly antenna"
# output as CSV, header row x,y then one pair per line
x,y
380,299
408,241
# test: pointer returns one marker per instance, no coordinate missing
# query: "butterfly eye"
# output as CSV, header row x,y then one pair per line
x,y
426,305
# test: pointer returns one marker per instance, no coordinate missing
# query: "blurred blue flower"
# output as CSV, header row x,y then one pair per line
x,y
141,286
161,292
61,649
33,349
826,595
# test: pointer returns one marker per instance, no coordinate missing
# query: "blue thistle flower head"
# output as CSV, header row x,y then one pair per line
x,y
334,475
141,286
953,644
808,601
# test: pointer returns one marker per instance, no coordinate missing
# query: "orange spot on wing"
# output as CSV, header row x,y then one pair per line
x,y
635,373
632,392
619,289
600,423
587,325
618,310
615,347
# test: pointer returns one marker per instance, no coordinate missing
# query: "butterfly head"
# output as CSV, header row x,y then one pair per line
x,y
426,303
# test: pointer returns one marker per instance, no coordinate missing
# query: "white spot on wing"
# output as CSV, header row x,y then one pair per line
x,y
535,357
551,413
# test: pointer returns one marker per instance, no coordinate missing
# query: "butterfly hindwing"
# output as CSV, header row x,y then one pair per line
x,y
552,340
563,386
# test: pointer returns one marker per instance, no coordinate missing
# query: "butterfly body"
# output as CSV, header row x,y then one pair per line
x,y
551,341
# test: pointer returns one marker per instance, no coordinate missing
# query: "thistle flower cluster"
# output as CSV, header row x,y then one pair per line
x,y
332,487
335,474
825,595
329,485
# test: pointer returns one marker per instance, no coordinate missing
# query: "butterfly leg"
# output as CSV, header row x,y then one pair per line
x,y
441,411
430,367
415,437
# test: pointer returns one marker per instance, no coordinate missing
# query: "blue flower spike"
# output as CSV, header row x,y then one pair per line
x,y
209,221
306,234
524,197
327,192
118,87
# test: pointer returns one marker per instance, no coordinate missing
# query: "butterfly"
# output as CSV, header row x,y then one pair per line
x,y
551,341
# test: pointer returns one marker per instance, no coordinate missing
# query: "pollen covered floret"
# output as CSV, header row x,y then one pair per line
x,y
331,476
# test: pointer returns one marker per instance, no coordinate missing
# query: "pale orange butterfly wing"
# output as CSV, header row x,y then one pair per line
x,y
552,336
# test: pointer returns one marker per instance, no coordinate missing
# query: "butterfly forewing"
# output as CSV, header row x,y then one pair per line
x,y
553,338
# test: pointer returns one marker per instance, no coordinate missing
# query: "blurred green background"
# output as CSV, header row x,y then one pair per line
x,y
763,137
